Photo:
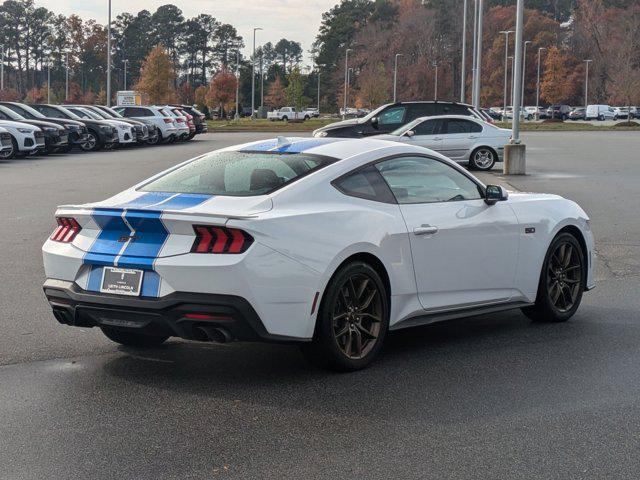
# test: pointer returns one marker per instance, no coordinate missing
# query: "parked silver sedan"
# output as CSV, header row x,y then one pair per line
x,y
463,139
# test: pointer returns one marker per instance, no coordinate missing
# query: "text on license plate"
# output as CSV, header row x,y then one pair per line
x,y
121,281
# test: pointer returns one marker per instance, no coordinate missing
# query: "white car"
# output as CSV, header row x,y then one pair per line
x,y
26,138
463,139
287,113
6,145
126,132
179,121
167,131
325,242
600,112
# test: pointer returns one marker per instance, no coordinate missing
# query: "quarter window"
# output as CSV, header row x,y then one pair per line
x,y
462,126
425,180
365,183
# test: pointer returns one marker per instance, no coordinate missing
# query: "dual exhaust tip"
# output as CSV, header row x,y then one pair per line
x,y
212,334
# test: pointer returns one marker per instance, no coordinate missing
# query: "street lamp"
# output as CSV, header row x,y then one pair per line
x,y
49,80
253,72
524,67
517,72
506,78
586,88
318,92
346,80
109,58
463,67
478,83
2,69
475,50
395,76
538,85
237,84
125,61
261,79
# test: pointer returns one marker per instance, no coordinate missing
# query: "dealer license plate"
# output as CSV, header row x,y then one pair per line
x,y
121,281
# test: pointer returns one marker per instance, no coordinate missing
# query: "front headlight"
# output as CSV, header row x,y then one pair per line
x,y
50,129
123,127
105,128
25,130
70,126
320,134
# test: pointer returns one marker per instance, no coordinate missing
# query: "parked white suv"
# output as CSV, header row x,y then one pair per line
x,y
286,114
166,128
26,138
180,121
600,112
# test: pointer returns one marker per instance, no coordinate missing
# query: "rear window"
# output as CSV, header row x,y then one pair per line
x,y
238,174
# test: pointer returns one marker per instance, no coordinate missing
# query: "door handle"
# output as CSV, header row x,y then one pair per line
x,y
473,136
425,230
437,138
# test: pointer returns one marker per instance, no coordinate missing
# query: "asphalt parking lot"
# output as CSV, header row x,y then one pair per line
x,y
486,397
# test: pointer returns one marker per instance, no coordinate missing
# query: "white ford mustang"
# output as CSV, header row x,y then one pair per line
x,y
323,241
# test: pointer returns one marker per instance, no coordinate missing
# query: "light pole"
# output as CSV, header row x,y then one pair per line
x,y
506,77
475,52
346,80
538,85
2,69
49,80
125,61
435,85
237,85
66,81
524,68
511,60
253,72
517,72
261,81
463,67
109,58
478,84
395,76
318,92
586,87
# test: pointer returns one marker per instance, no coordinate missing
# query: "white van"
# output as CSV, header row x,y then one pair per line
x,y
600,112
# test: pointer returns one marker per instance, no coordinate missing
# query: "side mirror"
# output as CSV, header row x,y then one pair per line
x,y
374,122
495,193
409,133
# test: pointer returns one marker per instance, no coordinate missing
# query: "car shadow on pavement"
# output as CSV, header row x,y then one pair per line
x,y
481,364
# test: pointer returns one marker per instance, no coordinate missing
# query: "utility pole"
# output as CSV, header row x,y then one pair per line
x,y
125,61
506,76
435,86
66,83
478,85
538,85
475,51
237,85
586,88
261,81
524,68
346,80
109,58
318,92
49,80
463,67
395,76
253,73
2,69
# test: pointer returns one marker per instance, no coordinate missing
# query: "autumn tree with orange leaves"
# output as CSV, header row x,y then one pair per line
x,y
222,92
156,77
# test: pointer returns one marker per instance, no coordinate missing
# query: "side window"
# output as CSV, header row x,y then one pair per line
x,y
462,126
365,183
394,115
428,127
425,180
421,110
50,112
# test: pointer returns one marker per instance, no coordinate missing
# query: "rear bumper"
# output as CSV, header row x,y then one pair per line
x,y
159,316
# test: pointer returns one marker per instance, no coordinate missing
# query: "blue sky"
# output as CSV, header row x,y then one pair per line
x,y
293,19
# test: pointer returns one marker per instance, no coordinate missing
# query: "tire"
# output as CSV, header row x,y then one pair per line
x,y
154,140
306,117
7,155
93,143
132,339
601,118
482,158
285,118
354,305
563,273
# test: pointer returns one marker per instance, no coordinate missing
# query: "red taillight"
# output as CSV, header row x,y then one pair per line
x,y
180,120
168,120
210,239
66,231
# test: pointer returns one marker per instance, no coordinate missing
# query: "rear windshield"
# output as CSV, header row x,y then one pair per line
x,y
237,174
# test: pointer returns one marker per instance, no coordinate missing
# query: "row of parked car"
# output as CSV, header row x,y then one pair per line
x,y
45,128
567,112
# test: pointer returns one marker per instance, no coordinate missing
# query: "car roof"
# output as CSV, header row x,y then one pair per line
x,y
339,148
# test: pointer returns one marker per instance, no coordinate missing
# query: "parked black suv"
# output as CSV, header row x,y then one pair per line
x,y
77,130
392,116
559,111
100,132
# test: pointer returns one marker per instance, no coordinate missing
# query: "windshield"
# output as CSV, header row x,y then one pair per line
x,y
374,113
111,111
10,113
68,112
99,113
237,174
26,111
